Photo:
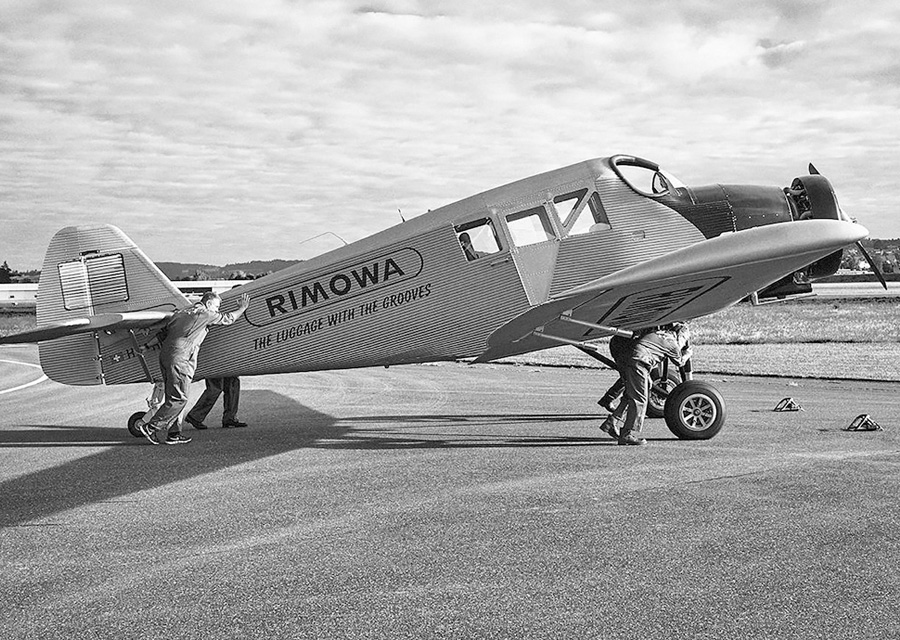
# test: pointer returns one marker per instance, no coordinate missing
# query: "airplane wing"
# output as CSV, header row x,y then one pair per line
x,y
74,326
688,283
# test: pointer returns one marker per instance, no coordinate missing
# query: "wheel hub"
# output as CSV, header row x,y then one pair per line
x,y
698,412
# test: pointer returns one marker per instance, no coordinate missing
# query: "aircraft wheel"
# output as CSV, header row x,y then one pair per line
x,y
659,391
133,424
695,410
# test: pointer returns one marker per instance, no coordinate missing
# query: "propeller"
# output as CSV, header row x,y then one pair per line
x,y
871,262
859,245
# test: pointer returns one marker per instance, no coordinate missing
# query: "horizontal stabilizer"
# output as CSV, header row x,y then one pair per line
x,y
74,326
94,281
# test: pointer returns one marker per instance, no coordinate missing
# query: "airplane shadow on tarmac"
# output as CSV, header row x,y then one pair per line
x,y
278,424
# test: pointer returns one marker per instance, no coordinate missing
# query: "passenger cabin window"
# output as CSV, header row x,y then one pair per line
x,y
477,239
585,215
530,227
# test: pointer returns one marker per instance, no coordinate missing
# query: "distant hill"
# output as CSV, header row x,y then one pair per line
x,y
259,267
180,271
235,271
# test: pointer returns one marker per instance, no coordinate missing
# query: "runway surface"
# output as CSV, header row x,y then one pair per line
x,y
447,501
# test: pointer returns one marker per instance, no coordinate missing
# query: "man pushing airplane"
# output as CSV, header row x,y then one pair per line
x,y
180,343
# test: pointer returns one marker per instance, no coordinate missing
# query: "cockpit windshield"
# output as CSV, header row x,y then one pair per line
x,y
645,177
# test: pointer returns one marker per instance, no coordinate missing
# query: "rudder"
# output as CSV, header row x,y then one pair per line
x,y
90,270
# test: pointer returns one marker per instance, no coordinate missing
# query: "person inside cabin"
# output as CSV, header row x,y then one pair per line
x,y
179,346
466,243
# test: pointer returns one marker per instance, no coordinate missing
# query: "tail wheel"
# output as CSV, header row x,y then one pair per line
x,y
695,410
659,391
133,422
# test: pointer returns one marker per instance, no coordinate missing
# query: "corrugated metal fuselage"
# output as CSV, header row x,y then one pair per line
x,y
411,294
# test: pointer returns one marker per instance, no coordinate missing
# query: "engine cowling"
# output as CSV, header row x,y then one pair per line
x,y
812,198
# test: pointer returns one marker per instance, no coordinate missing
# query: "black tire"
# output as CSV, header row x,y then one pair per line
x,y
659,391
695,410
132,424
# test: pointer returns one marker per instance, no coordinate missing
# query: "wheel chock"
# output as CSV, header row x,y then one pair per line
x,y
787,404
863,422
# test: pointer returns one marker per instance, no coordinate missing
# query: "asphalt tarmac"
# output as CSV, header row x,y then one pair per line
x,y
447,501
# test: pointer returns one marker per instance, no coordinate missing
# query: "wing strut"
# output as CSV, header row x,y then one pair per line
x,y
566,316
587,347
140,351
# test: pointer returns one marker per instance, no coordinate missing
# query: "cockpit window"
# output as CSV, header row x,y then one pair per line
x,y
477,238
569,204
644,176
586,215
530,227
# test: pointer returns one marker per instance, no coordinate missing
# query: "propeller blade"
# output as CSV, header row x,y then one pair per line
x,y
815,172
871,263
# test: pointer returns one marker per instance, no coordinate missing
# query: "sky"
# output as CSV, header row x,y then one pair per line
x,y
221,131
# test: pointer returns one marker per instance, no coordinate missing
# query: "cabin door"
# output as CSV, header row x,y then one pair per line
x,y
534,247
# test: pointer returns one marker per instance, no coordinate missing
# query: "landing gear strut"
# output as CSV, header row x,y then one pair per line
x,y
660,389
154,400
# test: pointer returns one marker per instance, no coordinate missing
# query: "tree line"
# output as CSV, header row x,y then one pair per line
x,y
8,274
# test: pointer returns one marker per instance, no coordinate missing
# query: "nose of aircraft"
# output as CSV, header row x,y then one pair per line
x,y
754,206
813,197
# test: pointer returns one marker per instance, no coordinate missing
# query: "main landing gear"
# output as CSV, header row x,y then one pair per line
x,y
694,410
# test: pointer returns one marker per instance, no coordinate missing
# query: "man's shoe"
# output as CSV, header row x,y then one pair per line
x,y
631,439
150,435
177,438
234,424
610,429
195,423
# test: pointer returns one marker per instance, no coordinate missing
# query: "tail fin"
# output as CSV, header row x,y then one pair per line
x,y
90,271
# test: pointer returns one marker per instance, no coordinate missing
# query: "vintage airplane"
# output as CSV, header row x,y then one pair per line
x,y
608,245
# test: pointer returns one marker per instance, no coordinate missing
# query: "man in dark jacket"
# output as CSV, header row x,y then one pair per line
x,y
231,388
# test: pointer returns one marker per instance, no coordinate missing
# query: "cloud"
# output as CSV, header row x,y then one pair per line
x,y
224,131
